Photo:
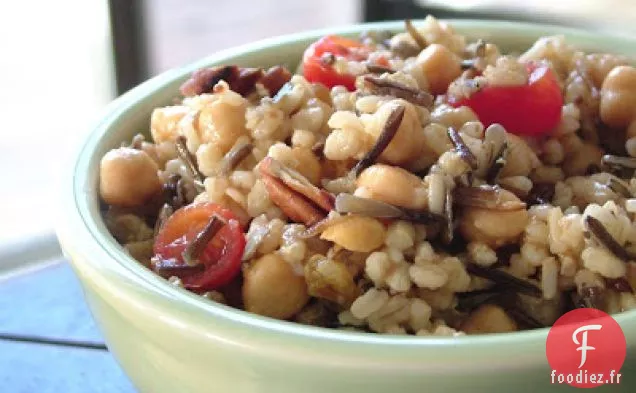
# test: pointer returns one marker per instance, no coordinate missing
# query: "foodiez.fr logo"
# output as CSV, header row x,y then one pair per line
x,y
586,348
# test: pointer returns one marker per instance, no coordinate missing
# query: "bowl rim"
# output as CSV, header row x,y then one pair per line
x,y
76,224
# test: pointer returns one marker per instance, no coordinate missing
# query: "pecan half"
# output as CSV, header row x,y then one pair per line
x,y
241,80
296,196
294,205
203,80
245,81
297,182
274,79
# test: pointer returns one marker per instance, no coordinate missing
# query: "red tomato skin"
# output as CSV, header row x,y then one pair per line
x,y
529,110
339,46
222,256
316,71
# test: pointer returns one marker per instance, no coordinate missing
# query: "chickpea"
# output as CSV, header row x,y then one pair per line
x,y
618,95
393,185
630,142
494,227
601,64
128,177
272,288
409,140
222,123
356,233
630,147
440,66
164,122
580,160
521,160
488,319
631,130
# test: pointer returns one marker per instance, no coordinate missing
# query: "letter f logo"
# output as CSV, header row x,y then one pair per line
x,y
583,344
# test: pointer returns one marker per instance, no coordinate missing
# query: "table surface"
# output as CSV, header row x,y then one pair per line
x,y
50,344
48,340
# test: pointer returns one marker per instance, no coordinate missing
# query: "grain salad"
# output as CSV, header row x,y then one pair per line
x,y
415,183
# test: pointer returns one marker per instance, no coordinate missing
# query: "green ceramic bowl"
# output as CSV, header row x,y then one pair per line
x,y
168,340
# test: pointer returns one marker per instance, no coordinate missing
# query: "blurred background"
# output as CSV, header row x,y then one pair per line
x,y
66,59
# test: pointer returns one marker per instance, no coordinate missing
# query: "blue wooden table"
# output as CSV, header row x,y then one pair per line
x,y
50,344
48,340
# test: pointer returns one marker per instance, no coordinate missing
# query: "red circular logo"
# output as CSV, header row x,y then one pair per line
x,y
586,348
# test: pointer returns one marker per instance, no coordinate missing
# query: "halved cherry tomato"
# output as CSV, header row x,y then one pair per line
x,y
316,70
221,259
533,109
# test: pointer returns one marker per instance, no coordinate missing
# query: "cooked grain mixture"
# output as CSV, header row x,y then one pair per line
x,y
414,183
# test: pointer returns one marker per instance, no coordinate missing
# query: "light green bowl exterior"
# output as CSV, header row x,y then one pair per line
x,y
169,340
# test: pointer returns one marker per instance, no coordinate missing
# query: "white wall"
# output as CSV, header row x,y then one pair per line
x,y
55,76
